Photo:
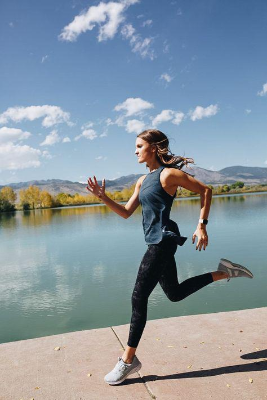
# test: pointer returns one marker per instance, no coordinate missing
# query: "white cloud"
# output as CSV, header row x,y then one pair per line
x,y
46,154
12,134
88,125
133,106
66,140
168,115
100,158
201,112
129,2
164,116
13,157
148,22
108,16
51,139
11,24
166,77
109,122
120,120
138,44
263,91
135,126
44,58
178,117
88,134
51,115
248,111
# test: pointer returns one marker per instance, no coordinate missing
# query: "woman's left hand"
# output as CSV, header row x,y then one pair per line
x,y
202,236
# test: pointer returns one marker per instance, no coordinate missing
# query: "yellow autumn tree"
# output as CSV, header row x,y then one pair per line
x,y
46,199
8,194
30,196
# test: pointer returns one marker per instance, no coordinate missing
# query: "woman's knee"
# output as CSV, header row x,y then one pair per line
x,y
175,297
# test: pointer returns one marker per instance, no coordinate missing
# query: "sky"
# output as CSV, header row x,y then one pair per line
x,y
80,79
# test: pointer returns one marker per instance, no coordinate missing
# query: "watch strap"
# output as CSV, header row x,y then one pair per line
x,y
203,221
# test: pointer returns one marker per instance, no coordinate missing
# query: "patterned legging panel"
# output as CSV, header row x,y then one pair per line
x,y
158,265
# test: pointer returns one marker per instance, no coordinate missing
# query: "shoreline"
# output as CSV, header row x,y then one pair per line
x,y
125,201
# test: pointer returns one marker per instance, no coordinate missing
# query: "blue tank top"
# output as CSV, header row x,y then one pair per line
x,y
156,206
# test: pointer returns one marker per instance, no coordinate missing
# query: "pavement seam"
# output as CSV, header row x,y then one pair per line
x,y
144,382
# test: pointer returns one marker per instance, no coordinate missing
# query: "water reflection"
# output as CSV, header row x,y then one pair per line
x,y
8,220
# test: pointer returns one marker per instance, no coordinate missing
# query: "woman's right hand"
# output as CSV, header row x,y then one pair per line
x,y
93,187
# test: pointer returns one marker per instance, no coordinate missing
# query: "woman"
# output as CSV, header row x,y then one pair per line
x,y
156,192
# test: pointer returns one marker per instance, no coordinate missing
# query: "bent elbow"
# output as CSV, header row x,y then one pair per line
x,y
126,215
208,190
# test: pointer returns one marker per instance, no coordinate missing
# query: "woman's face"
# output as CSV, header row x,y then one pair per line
x,y
144,151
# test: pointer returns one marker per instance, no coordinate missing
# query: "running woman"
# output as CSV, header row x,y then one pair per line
x,y
156,192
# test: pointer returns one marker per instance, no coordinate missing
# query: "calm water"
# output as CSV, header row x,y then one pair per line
x,y
73,269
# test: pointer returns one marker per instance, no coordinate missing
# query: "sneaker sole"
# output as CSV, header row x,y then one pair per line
x,y
136,369
235,267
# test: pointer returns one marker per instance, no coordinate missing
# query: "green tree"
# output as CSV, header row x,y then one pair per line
x,y
5,205
237,184
226,188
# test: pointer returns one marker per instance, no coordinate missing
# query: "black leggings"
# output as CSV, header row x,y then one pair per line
x,y
158,265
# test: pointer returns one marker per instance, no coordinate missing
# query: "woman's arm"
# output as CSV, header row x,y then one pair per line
x,y
178,178
124,211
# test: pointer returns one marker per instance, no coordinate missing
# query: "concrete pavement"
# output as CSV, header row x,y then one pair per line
x,y
208,356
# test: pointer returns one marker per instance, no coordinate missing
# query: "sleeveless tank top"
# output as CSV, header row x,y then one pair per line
x,y
156,206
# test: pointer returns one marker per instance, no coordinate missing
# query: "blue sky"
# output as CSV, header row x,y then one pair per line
x,y
80,79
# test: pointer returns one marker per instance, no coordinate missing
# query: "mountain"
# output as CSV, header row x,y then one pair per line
x,y
229,175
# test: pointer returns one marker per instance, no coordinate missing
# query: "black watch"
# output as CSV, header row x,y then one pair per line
x,y
203,221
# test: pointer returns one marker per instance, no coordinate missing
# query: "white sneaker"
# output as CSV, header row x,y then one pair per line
x,y
233,270
121,371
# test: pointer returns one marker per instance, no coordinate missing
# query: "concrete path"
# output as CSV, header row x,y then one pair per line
x,y
208,356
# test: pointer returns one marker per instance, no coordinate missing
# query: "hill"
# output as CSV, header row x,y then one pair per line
x,y
229,175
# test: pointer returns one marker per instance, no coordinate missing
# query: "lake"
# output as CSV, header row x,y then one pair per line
x,y
72,269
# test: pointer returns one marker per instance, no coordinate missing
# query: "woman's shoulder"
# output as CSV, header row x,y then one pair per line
x,y
140,180
170,170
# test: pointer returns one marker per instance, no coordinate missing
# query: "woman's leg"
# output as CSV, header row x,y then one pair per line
x,y
158,265
176,291
150,271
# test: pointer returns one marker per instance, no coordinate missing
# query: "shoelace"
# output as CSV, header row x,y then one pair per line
x,y
122,366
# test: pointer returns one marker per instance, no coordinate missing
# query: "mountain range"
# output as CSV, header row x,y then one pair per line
x,y
229,175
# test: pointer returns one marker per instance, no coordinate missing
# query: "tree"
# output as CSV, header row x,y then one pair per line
x,y
8,194
5,205
226,188
46,199
237,184
30,197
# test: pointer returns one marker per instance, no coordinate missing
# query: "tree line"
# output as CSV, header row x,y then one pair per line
x,y
34,198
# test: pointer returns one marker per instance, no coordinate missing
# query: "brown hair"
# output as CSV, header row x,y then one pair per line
x,y
161,141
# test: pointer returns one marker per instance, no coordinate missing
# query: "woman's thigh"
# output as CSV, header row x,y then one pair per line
x,y
154,262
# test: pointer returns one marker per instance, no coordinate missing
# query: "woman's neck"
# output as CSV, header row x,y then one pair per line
x,y
153,167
